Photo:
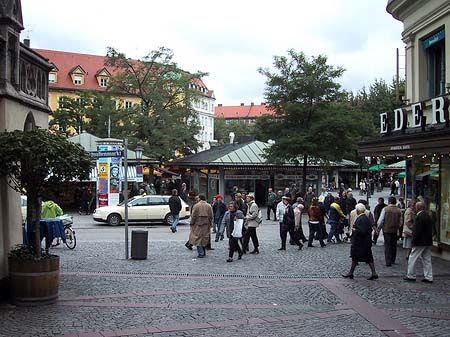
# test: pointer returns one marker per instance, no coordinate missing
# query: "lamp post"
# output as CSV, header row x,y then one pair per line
x,y
139,149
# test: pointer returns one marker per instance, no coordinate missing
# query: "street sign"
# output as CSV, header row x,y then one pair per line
x,y
106,154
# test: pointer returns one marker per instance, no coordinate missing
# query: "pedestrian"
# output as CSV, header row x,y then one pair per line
x,y
219,209
335,218
422,241
323,226
50,209
288,224
278,199
234,191
240,203
183,193
402,205
232,215
397,185
187,244
309,197
392,187
351,202
361,243
376,213
201,223
389,222
271,205
84,202
329,199
408,224
316,217
299,207
175,208
252,221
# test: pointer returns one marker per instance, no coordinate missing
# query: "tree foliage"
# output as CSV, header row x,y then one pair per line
x,y
34,159
222,130
165,122
312,116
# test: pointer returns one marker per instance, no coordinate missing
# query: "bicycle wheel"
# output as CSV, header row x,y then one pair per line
x,y
71,240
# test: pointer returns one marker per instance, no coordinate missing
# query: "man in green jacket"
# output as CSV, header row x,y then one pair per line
x,y
50,209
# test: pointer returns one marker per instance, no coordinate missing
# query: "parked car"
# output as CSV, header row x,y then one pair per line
x,y
142,208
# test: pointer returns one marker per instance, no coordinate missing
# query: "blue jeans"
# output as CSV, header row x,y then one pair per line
x,y
176,219
334,231
220,229
201,251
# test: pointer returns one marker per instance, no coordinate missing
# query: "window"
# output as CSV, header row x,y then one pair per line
x,y
52,77
103,82
78,80
128,105
60,101
435,53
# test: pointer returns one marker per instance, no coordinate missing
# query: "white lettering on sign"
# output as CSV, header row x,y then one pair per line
x,y
400,119
400,147
440,110
384,122
417,114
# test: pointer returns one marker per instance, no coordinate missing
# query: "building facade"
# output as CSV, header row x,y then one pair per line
x,y
75,72
23,106
242,113
419,131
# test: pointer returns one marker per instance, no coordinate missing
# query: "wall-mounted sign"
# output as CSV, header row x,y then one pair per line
x,y
246,177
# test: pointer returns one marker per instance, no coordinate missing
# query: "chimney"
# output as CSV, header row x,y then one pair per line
x,y
26,42
242,104
220,104
231,135
252,104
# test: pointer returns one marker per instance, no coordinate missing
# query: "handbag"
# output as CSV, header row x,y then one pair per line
x,y
237,230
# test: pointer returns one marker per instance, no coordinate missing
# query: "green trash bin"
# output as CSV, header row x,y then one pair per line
x,y
139,244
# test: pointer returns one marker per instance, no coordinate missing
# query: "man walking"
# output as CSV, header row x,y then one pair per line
x,y
271,205
175,208
201,222
422,240
219,209
252,222
390,221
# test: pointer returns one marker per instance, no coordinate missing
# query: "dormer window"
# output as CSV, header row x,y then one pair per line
x,y
103,76
77,75
78,80
103,82
52,77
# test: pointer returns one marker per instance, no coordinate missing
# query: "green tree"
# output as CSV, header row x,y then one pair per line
x,y
165,122
103,119
222,130
313,119
32,160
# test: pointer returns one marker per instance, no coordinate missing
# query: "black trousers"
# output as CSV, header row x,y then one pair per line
x,y
272,208
295,237
250,233
390,247
315,230
234,246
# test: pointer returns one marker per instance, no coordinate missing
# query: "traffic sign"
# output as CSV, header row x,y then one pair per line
x,y
106,154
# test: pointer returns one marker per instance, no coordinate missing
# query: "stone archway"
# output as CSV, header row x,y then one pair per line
x,y
30,123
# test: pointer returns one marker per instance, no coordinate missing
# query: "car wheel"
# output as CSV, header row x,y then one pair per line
x,y
114,219
168,219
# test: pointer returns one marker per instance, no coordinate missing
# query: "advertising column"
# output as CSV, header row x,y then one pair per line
x,y
109,177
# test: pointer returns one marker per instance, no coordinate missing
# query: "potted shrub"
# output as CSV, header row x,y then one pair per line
x,y
30,161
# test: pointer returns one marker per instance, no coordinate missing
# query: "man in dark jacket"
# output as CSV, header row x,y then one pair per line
x,y
219,209
175,208
351,202
288,225
376,213
422,240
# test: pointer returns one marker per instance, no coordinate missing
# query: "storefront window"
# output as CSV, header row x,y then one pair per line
x,y
445,200
425,172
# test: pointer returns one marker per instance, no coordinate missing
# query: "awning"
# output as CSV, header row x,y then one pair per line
x,y
376,168
401,174
167,173
432,173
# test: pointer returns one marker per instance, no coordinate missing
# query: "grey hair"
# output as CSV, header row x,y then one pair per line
x,y
360,208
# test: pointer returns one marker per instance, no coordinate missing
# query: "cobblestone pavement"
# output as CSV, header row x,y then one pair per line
x,y
290,293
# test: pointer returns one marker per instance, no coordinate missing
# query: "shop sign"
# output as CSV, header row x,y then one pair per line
x,y
213,176
288,177
246,177
439,115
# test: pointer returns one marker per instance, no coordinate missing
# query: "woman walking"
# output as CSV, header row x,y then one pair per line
x,y
229,219
361,240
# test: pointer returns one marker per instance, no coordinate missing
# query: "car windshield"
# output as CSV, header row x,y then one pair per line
x,y
129,200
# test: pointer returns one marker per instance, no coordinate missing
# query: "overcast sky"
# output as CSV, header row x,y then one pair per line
x,y
227,39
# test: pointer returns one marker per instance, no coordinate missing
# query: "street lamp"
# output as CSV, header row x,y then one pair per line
x,y
139,149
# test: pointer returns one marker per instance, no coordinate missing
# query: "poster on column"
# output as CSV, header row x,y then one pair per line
x,y
109,178
114,181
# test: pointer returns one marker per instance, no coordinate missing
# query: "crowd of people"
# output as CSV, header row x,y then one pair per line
x,y
348,220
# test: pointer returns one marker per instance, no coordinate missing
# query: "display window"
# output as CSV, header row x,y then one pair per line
x,y
444,232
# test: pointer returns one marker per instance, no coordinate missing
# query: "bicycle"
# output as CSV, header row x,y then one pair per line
x,y
69,232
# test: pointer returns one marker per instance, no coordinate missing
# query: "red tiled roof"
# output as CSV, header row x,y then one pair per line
x,y
242,111
91,64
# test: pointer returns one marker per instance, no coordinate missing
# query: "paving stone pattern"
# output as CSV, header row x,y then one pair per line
x,y
291,293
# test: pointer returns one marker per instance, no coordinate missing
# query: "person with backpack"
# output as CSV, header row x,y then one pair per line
x,y
253,220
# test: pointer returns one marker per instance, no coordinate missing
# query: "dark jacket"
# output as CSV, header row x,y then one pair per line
x,y
219,209
289,217
175,204
422,233
351,204
377,211
362,240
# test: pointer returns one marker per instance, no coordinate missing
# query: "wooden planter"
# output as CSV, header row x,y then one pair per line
x,y
34,282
